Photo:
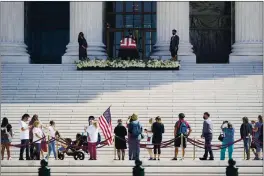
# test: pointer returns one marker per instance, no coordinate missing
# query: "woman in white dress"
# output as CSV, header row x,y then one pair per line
x,y
149,145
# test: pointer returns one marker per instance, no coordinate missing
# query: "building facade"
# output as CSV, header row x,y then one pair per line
x,y
210,32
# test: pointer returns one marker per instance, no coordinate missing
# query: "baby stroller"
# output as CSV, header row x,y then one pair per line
x,y
70,148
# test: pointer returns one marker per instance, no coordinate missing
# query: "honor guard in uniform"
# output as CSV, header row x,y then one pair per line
x,y
128,48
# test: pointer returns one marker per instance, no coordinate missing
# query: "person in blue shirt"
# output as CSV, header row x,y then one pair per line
x,y
134,137
228,140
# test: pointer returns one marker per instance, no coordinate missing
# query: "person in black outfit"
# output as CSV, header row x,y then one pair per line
x,y
6,133
157,130
82,47
231,170
174,45
245,132
120,139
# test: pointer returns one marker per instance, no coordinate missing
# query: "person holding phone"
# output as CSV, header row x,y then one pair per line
x,y
24,136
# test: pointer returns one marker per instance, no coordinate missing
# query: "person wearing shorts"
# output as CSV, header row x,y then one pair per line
x,y
180,124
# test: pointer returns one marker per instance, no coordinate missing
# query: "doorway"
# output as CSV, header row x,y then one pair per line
x,y
211,30
46,30
137,16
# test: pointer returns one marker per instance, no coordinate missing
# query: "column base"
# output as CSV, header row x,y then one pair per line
x,y
15,59
245,59
185,53
94,51
247,49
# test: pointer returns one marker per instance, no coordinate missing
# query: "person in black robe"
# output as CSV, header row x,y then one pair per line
x,y
157,130
174,45
120,139
82,47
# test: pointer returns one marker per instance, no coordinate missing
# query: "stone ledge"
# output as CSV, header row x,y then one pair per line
x,y
250,60
15,59
112,163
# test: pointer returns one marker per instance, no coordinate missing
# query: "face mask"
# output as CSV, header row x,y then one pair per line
x,y
204,118
173,33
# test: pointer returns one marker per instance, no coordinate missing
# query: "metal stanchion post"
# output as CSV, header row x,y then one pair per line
x,y
244,154
48,148
182,146
194,149
57,148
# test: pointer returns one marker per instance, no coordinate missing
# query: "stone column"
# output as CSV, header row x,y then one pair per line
x,y
248,44
173,15
12,46
86,17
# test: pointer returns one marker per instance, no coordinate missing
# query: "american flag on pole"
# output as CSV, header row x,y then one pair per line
x,y
105,123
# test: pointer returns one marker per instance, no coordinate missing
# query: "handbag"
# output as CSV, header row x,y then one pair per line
x,y
221,137
43,144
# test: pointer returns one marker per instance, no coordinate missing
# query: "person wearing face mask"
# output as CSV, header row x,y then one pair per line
x,y
207,135
174,45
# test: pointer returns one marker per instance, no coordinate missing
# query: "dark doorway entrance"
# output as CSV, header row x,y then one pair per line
x,y
211,31
137,16
46,30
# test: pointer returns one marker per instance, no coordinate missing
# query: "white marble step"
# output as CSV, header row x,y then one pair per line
x,y
164,167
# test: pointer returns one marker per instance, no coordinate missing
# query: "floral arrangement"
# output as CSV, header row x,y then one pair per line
x,y
127,64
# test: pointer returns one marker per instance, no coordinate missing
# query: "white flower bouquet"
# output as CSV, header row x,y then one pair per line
x,y
127,64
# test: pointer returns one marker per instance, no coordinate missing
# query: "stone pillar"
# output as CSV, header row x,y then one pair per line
x,y
86,17
12,46
173,15
248,44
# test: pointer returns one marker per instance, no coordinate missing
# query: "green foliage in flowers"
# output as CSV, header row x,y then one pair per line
x,y
123,64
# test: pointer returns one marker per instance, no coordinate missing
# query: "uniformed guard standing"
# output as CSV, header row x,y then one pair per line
x,y
44,170
174,45
138,170
128,48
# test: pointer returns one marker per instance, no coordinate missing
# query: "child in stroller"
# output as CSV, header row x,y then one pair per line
x,y
71,148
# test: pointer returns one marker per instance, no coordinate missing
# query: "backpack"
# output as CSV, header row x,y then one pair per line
x,y
182,127
135,129
5,135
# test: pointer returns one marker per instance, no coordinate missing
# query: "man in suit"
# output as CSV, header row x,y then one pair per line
x,y
174,43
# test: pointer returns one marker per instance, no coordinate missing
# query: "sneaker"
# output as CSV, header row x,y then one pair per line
x,y
211,159
174,158
150,158
154,159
